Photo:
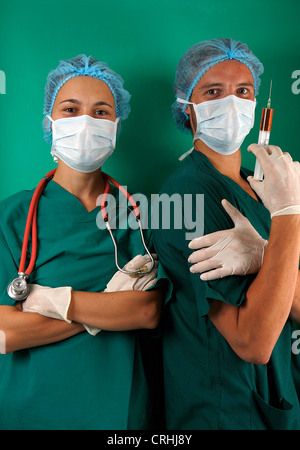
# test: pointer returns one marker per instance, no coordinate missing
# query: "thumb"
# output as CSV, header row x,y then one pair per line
x,y
233,213
255,184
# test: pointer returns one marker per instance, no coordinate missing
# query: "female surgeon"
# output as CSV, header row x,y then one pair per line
x,y
233,333
86,370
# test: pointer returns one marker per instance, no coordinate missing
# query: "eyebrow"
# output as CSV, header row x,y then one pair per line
x,y
247,83
211,85
77,102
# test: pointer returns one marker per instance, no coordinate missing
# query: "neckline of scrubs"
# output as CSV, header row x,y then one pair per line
x,y
199,158
70,203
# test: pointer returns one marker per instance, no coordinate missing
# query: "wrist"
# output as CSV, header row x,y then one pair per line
x,y
69,313
287,220
288,211
285,231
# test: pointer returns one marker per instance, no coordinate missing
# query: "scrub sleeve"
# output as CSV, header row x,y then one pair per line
x,y
84,382
207,386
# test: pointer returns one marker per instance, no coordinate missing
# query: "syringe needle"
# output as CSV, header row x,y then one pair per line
x,y
269,101
264,134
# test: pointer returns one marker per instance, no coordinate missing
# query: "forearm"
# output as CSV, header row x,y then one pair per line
x,y
24,330
253,328
116,311
270,297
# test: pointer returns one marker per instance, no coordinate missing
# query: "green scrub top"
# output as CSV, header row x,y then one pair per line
x,y
83,382
207,386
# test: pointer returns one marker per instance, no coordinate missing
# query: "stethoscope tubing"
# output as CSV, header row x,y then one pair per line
x,y
144,270
31,222
31,225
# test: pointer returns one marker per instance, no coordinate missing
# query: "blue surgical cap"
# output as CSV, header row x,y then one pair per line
x,y
201,57
83,65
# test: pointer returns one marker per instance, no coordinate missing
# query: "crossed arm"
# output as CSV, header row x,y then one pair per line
x,y
114,311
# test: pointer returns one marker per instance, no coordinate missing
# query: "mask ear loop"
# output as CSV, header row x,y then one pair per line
x,y
55,159
185,102
117,121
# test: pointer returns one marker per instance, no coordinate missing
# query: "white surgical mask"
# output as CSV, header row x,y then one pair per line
x,y
83,142
223,124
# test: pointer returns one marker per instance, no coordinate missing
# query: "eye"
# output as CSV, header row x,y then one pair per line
x,y
212,92
243,91
70,109
101,112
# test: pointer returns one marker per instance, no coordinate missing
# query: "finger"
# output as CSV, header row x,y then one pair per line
x,y
233,213
203,254
204,266
255,148
255,184
275,151
146,267
215,274
150,284
149,264
288,157
297,166
261,154
205,241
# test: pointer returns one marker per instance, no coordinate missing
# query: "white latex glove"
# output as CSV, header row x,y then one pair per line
x,y
92,330
280,188
237,251
49,302
123,282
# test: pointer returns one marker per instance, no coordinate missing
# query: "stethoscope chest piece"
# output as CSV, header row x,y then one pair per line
x,y
18,289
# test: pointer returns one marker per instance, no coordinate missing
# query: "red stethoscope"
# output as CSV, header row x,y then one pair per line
x,y
18,289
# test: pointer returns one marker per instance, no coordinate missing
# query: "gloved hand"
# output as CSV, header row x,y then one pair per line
x,y
280,189
123,282
237,251
49,302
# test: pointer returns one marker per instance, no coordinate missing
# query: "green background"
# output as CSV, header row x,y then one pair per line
x,y
143,41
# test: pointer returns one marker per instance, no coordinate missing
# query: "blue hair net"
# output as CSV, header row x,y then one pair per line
x,y
83,65
201,57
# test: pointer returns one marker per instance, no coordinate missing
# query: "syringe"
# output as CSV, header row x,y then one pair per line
x,y
264,134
